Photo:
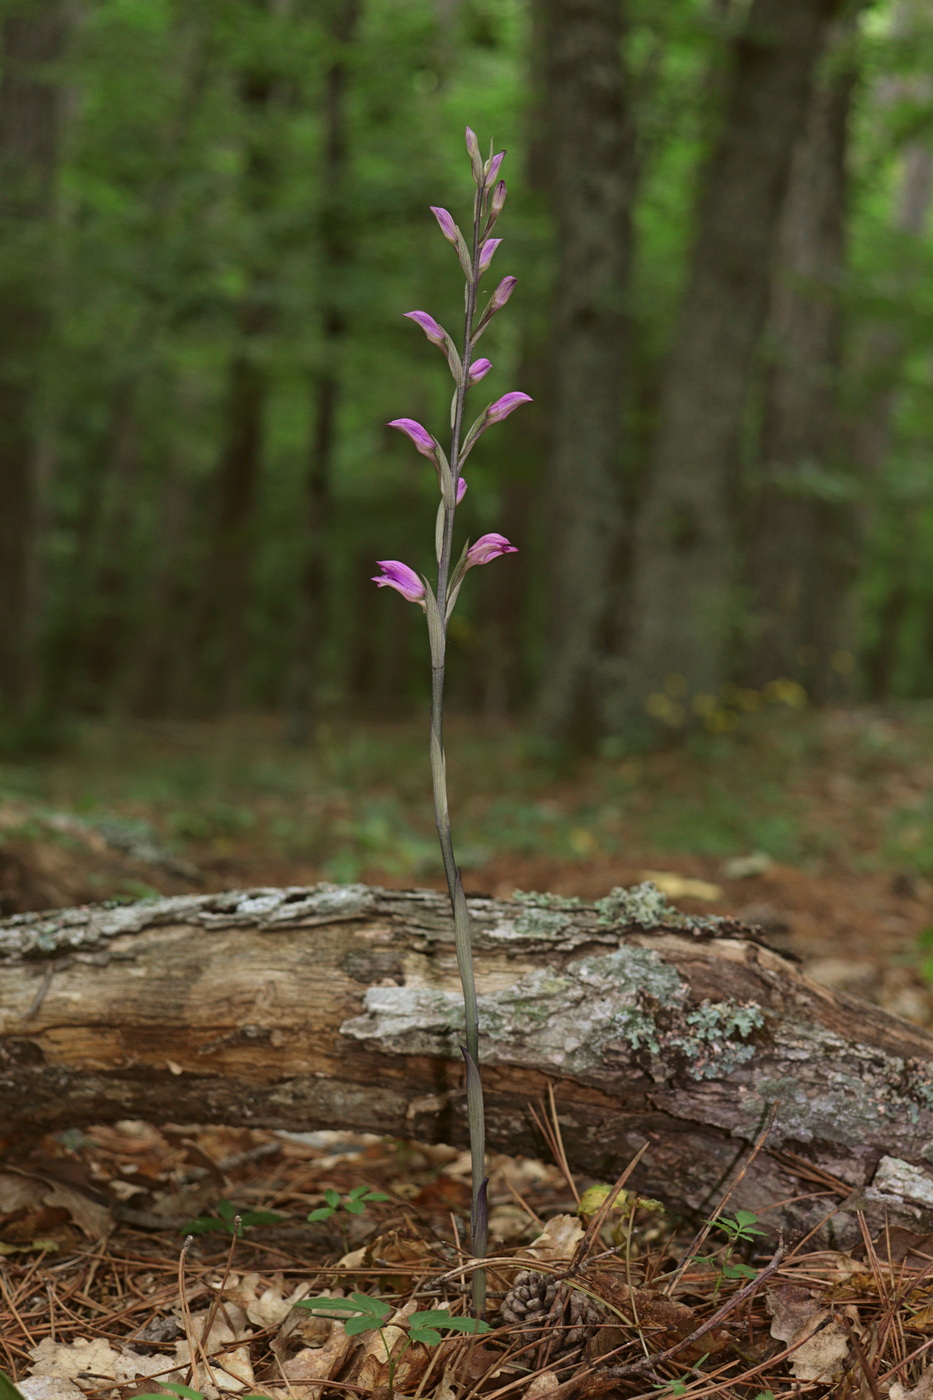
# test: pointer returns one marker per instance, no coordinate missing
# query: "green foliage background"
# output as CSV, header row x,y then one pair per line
x,y
163,227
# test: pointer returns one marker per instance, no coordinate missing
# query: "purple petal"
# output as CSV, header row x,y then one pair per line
x,y
497,203
432,330
447,226
491,170
400,577
419,435
486,252
506,405
488,547
478,370
502,293
461,489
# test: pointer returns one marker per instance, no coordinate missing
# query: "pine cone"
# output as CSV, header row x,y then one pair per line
x,y
541,1306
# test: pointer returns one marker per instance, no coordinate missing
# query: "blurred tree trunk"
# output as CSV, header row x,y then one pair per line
x,y
91,632
804,541
878,365
33,37
683,605
589,142
336,250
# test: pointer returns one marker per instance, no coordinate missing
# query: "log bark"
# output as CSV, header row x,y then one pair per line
x,y
338,1006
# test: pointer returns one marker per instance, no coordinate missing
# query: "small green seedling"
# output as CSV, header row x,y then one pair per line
x,y
360,1313
223,1222
743,1227
354,1202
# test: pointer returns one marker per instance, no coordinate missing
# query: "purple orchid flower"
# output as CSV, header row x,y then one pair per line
x,y
447,226
497,203
419,436
506,405
461,489
486,252
400,577
478,370
435,333
488,547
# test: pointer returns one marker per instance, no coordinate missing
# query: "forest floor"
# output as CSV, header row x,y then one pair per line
x,y
816,827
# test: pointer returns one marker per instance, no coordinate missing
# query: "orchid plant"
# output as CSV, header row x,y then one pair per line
x,y
438,602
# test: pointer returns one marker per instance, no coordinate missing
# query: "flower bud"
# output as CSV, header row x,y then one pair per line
x,y
435,333
478,370
476,159
506,405
461,489
497,203
491,170
447,226
419,436
486,252
501,295
488,547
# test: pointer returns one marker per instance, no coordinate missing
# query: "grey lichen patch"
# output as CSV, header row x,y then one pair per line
x,y
94,926
717,1039
409,1020
643,905
895,1177
570,1018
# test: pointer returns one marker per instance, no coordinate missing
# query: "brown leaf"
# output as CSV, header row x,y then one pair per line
x,y
792,1308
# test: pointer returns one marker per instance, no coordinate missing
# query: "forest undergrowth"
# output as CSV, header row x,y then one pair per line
x,y
134,1258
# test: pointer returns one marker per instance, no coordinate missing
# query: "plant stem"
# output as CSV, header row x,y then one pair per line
x,y
462,933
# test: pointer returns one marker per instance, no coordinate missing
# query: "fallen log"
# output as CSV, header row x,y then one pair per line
x,y
339,1007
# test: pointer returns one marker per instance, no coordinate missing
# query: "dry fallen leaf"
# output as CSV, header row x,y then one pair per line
x,y
821,1357
48,1388
923,1390
792,1308
543,1385
676,886
557,1240
317,1364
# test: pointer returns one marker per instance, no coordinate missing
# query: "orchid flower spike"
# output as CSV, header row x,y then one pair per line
x,y
400,577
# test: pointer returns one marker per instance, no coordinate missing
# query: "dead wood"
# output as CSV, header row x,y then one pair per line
x,y
338,1007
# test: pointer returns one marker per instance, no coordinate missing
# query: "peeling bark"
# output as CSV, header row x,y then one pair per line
x,y
338,1006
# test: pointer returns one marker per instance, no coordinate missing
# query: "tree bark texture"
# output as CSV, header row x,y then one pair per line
x,y
683,608
335,239
32,38
589,143
803,553
227,581
339,1006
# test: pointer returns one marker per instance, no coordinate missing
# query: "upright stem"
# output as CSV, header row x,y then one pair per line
x,y
463,938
